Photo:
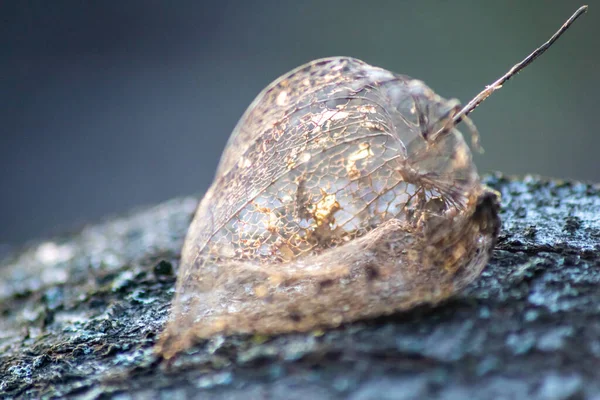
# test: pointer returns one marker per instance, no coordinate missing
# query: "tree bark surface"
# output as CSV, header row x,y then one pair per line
x,y
79,316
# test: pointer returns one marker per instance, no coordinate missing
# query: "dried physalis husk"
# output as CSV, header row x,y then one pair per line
x,y
344,192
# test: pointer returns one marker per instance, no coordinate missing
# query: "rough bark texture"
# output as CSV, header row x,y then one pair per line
x,y
79,316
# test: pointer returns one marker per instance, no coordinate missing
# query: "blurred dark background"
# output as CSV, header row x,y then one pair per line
x,y
105,105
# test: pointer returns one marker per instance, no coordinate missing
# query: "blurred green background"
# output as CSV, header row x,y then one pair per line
x,y
109,105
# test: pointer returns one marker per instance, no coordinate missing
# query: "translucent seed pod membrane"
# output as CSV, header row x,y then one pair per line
x,y
344,192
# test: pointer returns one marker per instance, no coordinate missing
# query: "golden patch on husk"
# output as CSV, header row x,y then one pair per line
x,y
344,192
